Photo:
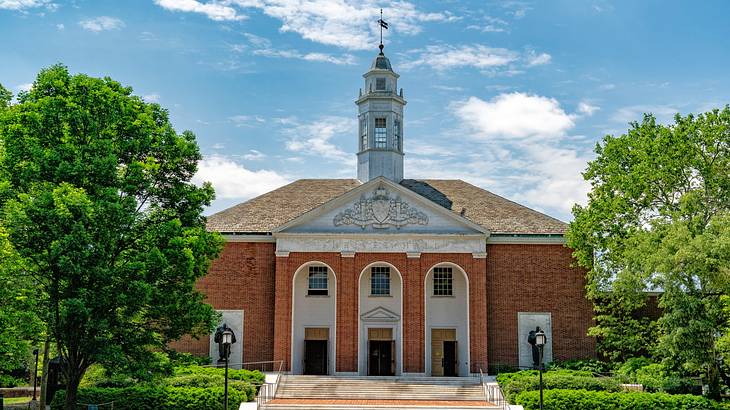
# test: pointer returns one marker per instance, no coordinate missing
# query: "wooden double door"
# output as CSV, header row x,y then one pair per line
x,y
381,352
444,353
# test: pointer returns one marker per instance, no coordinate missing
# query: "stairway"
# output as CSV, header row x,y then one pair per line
x,y
334,393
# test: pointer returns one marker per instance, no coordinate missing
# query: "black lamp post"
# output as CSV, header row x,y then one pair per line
x,y
227,340
540,341
35,376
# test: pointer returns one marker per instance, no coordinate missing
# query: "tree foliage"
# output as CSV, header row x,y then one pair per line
x,y
97,201
657,218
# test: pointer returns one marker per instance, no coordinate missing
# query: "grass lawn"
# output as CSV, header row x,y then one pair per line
x,y
17,400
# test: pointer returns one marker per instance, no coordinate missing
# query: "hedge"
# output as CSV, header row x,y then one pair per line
x,y
601,400
156,398
519,382
254,377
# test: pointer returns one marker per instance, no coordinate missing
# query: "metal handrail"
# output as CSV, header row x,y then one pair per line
x,y
267,391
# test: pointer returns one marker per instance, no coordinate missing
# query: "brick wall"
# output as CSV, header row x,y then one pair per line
x,y
242,278
513,278
536,278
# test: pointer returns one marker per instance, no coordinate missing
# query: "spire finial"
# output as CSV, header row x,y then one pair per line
x,y
383,25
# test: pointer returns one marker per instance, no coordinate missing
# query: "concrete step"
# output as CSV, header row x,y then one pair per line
x,y
384,388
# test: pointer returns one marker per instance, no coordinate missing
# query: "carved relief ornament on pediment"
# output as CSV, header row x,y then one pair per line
x,y
381,211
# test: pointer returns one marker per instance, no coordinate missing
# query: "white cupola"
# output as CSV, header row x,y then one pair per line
x,y
380,137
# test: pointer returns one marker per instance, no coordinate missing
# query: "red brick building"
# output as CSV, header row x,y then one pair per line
x,y
383,275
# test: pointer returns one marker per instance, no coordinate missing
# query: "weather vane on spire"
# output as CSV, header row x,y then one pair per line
x,y
383,25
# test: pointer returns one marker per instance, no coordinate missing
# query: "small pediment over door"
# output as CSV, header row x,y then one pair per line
x,y
380,314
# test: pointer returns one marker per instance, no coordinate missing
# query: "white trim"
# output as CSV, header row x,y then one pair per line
x,y
347,254
526,240
399,359
427,328
413,254
333,328
281,254
479,255
248,238
380,243
355,192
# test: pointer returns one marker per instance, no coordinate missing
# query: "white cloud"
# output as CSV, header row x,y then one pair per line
x,y
102,23
246,120
527,152
151,98
24,87
559,183
21,5
315,137
60,26
514,115
446,57
254,155
214,10
534,59
346,59
663,113
491,25
232,180
587,109
350,24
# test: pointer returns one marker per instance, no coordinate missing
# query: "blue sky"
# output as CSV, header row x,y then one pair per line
x,y
511,96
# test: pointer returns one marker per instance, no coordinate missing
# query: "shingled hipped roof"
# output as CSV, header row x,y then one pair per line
x,y
499,215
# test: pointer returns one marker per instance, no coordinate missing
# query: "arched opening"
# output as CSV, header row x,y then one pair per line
x,y
446,307
314,318
380,324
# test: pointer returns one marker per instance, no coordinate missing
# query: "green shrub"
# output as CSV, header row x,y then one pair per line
x,y
210,380
601,400
10,381
655,377
156,398
588,365
555,379
254,377
627,371
187,359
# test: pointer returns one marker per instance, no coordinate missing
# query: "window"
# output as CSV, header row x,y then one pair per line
x,y
396,133
381,134
380,84
317,281
380,280
443,282
364,134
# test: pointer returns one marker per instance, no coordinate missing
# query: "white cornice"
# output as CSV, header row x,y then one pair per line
x,y
526,240
248,238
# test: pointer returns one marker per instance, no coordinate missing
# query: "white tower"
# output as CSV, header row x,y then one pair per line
x,y
380,138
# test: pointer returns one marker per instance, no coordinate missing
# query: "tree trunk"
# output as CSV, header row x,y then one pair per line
x,y
44,373
73,378
713,382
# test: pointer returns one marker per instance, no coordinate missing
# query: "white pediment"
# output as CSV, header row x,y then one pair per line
x,y
380,314
381,206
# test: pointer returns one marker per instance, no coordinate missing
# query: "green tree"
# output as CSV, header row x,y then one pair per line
x,y
657,218
98,201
